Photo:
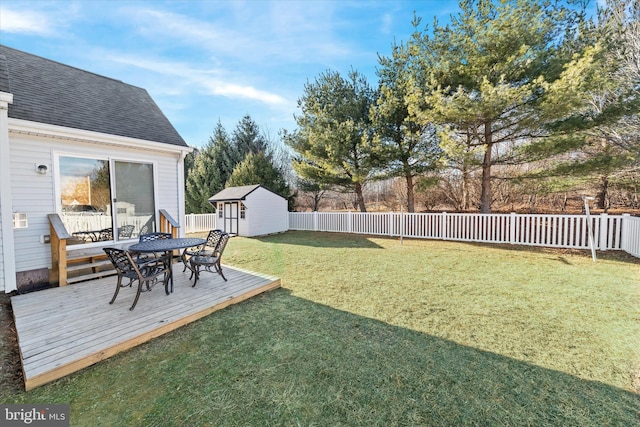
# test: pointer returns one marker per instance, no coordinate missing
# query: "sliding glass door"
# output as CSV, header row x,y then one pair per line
x,y
106,200
134,198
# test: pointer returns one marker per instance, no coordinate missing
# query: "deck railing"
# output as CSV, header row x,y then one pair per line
x,y
168,224
60,235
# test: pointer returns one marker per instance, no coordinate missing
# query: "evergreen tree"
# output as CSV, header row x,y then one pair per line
x,y
404,146
247,139
334,132
491,71
257,168
189,161
603,132
211,170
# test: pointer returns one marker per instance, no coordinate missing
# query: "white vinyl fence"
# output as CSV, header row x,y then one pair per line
x,y
631,235
560,231
610,232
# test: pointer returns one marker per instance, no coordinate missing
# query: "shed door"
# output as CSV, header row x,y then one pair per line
x,y
231,217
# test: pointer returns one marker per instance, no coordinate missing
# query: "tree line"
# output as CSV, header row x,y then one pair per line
x,y
523,95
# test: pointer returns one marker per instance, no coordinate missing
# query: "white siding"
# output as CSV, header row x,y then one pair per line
x,y
1,257
35,194
244,224
266,213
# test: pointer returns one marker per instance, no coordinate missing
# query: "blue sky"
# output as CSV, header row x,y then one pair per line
x,y
204,61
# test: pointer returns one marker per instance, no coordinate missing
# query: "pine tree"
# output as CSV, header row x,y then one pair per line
x,y
603,132
404,147
247,139
210,172
258,169
334,134
489,74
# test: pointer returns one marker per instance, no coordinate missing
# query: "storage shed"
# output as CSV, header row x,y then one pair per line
x,y
250,210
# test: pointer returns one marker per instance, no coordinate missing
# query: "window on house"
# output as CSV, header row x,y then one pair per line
x,y
20,220
220,210
243,209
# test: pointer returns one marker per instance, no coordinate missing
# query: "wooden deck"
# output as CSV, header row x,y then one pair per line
x,y
65,329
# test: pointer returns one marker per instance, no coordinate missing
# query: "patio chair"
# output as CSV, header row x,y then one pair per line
x,y
207,262
147,227
206,249
125,231
147,272
154,236
139,257
105,234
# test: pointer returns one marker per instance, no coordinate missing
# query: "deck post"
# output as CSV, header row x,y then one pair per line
x,y
59,236
58,259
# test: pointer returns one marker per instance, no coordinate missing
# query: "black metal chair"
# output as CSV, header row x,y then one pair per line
x,y
208,248
146,272
207,262
148,226
105,234
149,238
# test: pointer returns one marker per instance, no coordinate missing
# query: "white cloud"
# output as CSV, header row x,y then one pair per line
x,y
25,22
212,80
387,23
285,31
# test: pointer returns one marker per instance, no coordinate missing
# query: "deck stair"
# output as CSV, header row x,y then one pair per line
x,y
87,265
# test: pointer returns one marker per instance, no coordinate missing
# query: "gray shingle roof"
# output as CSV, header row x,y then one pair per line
x,y
46,91
234,193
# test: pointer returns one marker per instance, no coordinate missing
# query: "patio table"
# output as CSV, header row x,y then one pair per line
x,y
167,246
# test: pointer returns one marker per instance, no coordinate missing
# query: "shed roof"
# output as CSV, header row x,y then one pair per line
x,y
233,194
46,91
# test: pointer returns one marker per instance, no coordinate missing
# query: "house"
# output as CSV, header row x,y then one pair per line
x,y
81,155
250,210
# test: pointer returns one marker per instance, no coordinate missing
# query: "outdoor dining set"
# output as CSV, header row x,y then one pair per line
x,y
150,260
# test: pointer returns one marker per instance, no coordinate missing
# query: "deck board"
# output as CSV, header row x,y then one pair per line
x,y
65,329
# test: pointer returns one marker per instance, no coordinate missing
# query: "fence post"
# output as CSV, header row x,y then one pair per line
x,y
315,220
604,229
445,226
390,223
348,221
626,221
512,228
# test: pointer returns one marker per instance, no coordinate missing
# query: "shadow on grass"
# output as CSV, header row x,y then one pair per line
x,y
281,360
557,253
321,239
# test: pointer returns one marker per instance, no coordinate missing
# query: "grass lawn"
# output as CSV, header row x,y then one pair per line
x,y
366,331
